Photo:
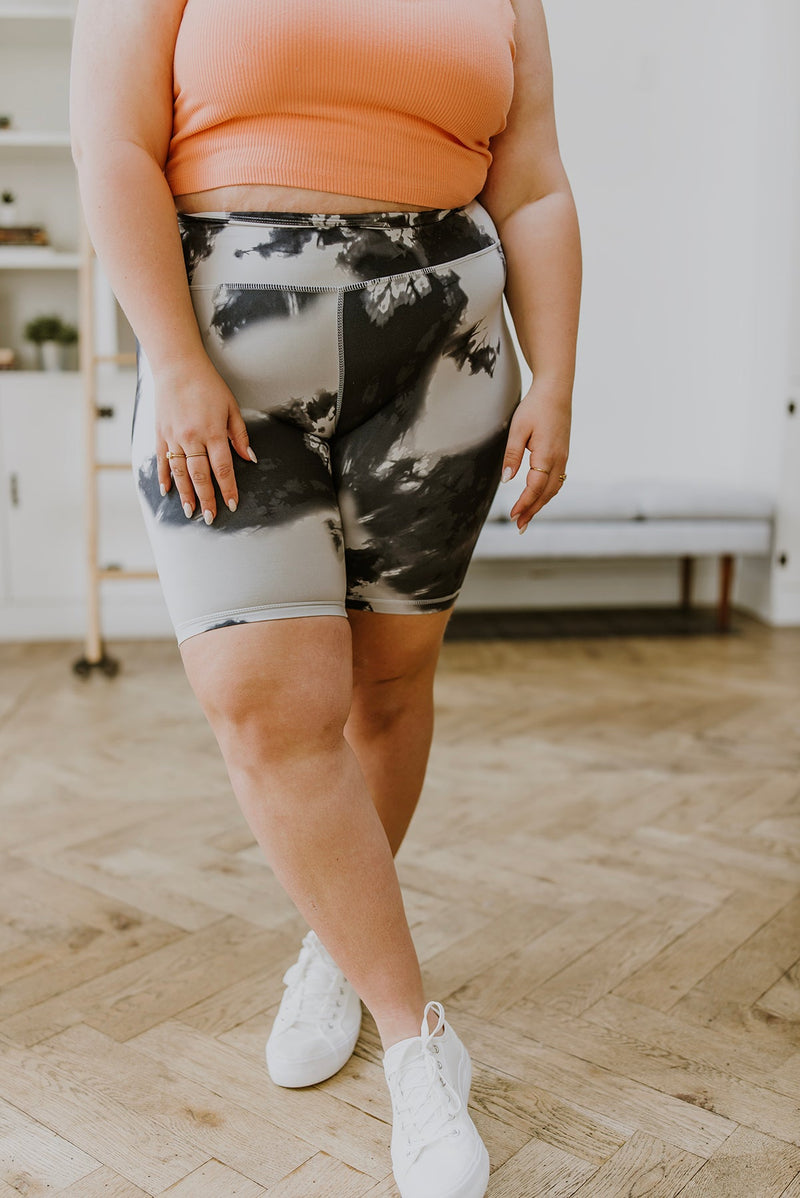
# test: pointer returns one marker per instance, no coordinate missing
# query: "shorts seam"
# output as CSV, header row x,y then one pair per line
x,y
342,287
340,343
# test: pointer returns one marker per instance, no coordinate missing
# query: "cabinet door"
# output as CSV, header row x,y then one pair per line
x,y
42,452
787,538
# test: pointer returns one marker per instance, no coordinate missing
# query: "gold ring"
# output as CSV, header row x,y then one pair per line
x,y
562,477
170,455
540,468
196,455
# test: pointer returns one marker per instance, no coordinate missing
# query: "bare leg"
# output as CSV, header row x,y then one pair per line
x,y
277,694
391,720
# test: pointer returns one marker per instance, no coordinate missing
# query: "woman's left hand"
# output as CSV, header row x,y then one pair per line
x,y
541,424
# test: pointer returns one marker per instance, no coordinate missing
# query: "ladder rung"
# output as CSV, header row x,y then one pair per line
x,y
107,573
122,359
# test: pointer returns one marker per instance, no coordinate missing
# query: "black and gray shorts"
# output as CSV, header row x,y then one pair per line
x,y
374,369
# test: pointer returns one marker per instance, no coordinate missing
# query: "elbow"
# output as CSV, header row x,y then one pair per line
x,y
92,156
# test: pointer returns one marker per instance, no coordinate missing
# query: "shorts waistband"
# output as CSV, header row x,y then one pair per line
x,y
391,219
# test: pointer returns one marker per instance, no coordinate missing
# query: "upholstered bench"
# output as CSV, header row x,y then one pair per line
x,y
644,517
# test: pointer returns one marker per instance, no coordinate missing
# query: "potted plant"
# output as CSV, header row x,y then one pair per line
x,y
50,333
8,209
67,335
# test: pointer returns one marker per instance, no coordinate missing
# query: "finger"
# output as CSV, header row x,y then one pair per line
x,y
199,469
219,456
518,436
162,466
535,484
552,488
238,435
182,481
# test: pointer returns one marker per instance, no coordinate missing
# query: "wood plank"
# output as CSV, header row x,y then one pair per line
x,y
103,1183
244,1141
539,1170
33,1159
215,1180
626,1104
323,1177
609,964
750,1163
643,1165
360,1140
140,993
686,1079
524,970
138,1148
706,945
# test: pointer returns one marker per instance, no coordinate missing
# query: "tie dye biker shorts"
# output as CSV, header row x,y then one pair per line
x,y
374,369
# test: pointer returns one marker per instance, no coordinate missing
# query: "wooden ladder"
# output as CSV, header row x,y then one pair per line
x,y
95,655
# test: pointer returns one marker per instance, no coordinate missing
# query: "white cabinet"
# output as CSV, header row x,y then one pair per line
x,y
41,454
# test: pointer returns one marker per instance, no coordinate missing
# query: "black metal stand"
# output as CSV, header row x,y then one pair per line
x,y
109,665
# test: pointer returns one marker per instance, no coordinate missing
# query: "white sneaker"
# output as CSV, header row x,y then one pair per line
x,y
437,1151
318,1021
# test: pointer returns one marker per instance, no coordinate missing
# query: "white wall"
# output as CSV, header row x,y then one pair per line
x,y
678,127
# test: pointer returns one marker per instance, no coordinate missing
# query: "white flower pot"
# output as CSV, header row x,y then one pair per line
x,y
51,355
8,215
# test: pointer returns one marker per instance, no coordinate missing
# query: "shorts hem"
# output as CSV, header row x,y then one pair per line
x,y
402,606
252,615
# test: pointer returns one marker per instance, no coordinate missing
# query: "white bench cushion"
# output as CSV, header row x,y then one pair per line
x,y
639,499
624,538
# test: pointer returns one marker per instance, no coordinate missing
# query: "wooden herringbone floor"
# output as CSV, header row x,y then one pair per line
x,y
603,881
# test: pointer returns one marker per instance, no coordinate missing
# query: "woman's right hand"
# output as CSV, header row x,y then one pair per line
x,y
197,414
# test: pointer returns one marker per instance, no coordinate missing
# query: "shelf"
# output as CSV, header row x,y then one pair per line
x,y
24,257
53,139
35,12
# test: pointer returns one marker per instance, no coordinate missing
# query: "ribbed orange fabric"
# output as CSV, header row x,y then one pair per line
x,y
390,100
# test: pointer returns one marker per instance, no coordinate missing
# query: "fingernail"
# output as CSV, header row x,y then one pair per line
x,y
507,474
187,510
207,516
232,504
521,531
163,489
250,454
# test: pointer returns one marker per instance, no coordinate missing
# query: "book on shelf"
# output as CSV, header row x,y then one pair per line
x,y
27,235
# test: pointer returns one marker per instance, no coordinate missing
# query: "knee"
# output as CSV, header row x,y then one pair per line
x,y
262,720
381,698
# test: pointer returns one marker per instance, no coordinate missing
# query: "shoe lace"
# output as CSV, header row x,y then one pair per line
x,y
314,988
425,1101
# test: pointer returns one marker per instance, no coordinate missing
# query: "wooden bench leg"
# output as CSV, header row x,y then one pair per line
x,y
687,574
725,586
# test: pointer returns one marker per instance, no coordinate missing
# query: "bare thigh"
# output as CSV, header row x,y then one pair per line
x,y
286,682
390,648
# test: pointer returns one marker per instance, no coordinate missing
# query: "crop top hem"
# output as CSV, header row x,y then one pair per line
x,y
424,181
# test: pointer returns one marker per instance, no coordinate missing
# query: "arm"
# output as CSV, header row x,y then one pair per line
x,y
528,196
120,127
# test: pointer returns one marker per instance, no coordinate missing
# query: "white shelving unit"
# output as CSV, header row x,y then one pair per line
x,y
68,512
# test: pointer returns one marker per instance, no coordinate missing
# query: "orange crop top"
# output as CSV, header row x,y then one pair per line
x,y
390,100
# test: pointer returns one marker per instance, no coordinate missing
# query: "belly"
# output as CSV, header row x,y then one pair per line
x,y
259,197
